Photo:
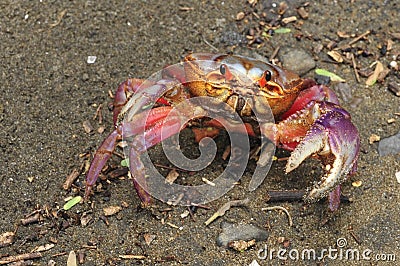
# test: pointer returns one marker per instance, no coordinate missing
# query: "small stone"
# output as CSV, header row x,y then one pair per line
x,y
235,232
240,15
91,59
398,177
322,80
395,88
390,145
374,138
241,245
111,210
87,126
302,13
254,263
85,76
296,59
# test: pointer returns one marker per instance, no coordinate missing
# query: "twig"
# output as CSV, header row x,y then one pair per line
x,y
71,179
355,68
351,231
359,37
282,209
98,114
221,211
31,219
272,57
293,195
209,44
25,256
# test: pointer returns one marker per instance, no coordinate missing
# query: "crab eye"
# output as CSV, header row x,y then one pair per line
x,y
222,69
267,75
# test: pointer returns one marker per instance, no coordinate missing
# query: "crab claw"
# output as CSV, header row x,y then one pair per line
x,y
334,139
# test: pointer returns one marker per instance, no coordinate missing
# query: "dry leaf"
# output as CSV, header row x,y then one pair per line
x,y
343,34
72,259
336,56
374,77
171,177
148,238
43,248
357,183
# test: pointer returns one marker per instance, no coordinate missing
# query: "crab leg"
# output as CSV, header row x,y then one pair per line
x,y
125,90
106,149
334,138
317,126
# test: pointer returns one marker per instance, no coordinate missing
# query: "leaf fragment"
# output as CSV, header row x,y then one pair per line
x,y
374,77
324,72
72,202
283,30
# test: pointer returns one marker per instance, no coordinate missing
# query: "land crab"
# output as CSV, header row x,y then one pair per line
x,y
309,119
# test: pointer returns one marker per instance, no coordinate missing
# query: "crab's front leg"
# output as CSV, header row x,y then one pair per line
x,y
323,130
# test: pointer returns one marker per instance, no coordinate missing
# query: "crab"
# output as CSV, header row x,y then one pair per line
x,y
307,118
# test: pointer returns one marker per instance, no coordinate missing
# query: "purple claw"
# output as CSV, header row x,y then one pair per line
x,y
336,142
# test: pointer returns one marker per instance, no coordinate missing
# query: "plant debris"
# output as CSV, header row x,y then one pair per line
x,y
111,210
20,257
373,138
221,211
241,245
395,88
171,177
375,75
72,202
6,239
282,209
71,261
71,179
332,76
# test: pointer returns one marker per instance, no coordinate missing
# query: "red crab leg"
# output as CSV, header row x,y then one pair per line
x,y
152,136
106,149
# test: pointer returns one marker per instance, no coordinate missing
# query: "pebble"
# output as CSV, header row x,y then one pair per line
x,y
390,145
296,59
233,232
91,59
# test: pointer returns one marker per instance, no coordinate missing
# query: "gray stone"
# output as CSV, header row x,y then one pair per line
x,y
296,59
246,232
390,145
